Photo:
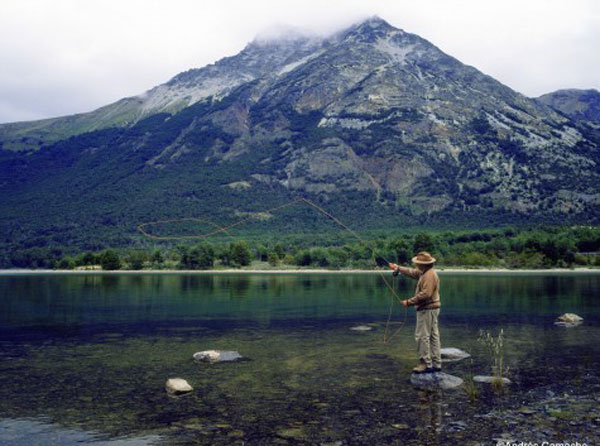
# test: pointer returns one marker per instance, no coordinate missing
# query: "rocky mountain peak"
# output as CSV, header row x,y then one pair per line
x,y
367,31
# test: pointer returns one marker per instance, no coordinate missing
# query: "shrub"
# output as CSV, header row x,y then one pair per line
x,y
303,258
66,263
423,242
198,257
109,260
273,258
240,253
136,258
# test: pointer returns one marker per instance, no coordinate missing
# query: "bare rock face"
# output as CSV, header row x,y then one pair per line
x,y
177,386
217,356
439,380
568,320
452,354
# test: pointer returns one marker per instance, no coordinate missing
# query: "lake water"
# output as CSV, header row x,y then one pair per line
x,y
84,359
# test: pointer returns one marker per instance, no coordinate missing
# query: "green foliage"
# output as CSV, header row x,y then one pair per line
x,y
88,258
278,249
240,253
157,257
136,258
109,260
542,247
423,242
66,263
200,256
495,349
273,258
401,250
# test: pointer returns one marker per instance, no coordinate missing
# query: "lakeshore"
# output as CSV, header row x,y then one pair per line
x,y
293,271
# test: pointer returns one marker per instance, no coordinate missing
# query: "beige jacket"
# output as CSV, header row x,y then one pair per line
x,y
427,292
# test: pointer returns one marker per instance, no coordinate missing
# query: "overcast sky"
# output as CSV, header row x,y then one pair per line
x,y
67,56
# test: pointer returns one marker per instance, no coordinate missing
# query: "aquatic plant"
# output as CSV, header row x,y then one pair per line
x,y
469,385
495,348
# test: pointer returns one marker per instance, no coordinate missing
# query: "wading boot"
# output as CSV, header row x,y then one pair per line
x,y
421,368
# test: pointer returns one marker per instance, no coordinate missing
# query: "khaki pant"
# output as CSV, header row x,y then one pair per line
x,y
427,335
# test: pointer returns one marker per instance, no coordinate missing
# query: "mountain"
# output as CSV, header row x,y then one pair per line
x,y
260,59
377,124
580,105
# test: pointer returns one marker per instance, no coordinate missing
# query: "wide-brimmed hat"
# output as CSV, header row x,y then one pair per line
x,y
424,258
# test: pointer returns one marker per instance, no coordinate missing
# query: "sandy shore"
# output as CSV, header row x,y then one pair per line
x,y
296,271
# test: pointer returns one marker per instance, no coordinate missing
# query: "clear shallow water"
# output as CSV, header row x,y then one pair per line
x,y
86,357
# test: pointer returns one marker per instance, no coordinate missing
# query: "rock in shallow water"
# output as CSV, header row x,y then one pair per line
x,y
452,354
568,320
177,386
570,317
435,380
362,328
217,355
490,379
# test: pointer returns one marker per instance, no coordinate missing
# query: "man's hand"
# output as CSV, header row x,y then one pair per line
x,y
405,303
393,266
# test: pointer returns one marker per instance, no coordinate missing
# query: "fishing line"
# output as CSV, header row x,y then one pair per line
x,y
225,229
141,226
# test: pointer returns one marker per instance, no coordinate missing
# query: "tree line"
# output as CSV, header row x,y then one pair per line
x,y
545,247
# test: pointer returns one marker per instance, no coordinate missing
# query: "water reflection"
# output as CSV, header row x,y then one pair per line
x,y
429,415
93,354
49,299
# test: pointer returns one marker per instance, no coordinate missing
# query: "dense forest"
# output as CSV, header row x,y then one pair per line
x,y
542,247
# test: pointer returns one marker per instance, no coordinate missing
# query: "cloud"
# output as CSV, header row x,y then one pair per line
x,y
69,56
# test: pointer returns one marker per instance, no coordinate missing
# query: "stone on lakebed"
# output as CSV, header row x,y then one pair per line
x,y
568,320
434,380
361,328
451,354
217,356
490,379
177,386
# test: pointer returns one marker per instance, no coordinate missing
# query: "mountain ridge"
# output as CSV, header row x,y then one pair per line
x,y
369,121
580,105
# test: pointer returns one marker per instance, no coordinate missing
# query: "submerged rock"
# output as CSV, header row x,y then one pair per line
x,y
568,320
362,328
451,354
490,379
177,386
456,426
217,355
435,380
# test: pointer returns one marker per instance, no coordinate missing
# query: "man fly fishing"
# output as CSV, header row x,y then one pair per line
x,y
427,302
